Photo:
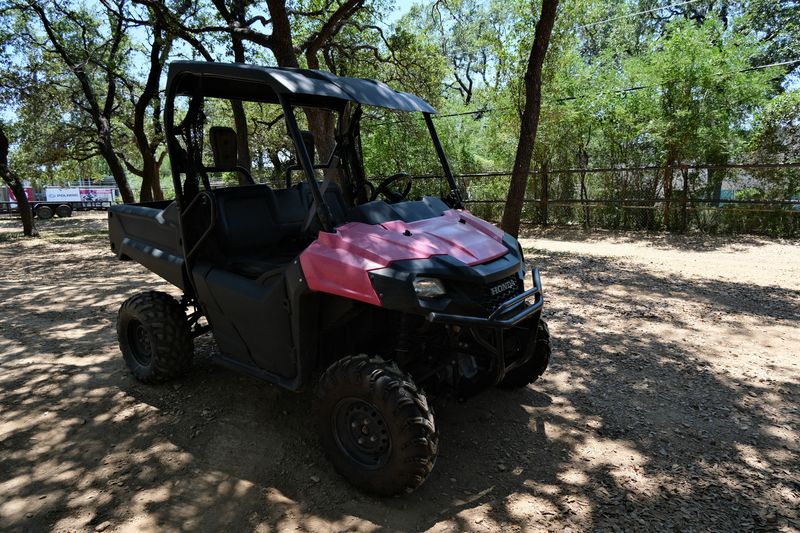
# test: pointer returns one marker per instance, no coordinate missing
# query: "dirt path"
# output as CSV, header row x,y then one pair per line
x,y
672,402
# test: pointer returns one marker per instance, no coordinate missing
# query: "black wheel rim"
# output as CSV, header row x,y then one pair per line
x,y
361,433
139,340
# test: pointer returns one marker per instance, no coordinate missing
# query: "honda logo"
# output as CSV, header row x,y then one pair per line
x,y
506,285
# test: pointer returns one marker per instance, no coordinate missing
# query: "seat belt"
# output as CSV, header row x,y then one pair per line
x,y
327,175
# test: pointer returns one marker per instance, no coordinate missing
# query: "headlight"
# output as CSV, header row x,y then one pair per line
x,y
428,287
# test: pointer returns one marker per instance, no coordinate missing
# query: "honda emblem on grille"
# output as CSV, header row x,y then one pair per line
x,y
502,287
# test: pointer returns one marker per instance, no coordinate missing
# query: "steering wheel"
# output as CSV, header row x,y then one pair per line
x,y
393,196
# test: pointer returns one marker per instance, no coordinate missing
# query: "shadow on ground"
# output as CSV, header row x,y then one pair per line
x,y
633,428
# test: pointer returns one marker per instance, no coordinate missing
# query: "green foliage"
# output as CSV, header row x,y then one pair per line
x,y
697,75
620,89
776,137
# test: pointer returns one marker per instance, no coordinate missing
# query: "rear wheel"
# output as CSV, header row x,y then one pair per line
x,y
375,425
44,212
64,211
154,337
535,366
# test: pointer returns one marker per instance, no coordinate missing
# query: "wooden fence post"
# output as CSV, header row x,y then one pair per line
x,y
584,200
685,198
545,192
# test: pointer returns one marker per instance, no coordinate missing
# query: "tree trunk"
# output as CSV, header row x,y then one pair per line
x,y
151,188
15,185
715,175
151,183
529,118
283,49
583,164
243,157
626,214
321,122
277,165
115,166
158,193
281,39
158,137
322,125
668,185
280,43
685,198
99,116
151,178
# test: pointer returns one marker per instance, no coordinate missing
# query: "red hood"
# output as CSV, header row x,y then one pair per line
x,y
339,263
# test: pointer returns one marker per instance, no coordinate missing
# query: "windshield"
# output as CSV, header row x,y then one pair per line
x,y
233,142
394,142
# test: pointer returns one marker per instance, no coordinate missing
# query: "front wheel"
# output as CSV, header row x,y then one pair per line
x,y
154,337
375,425
533,367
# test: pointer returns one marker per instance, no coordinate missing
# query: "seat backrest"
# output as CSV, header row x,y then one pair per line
x,y
290,210
256,217
333,197
223,146
308,140
245,220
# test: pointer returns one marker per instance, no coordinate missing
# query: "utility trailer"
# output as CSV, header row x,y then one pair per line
x,y
60,201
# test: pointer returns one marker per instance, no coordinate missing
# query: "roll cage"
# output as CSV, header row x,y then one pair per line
x,y
289,88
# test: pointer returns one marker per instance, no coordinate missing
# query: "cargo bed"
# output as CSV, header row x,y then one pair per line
x,y
148,233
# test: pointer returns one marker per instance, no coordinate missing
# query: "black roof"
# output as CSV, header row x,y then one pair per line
x,y
299,86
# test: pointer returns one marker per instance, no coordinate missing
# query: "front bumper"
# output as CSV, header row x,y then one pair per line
x,y
507,315
494,331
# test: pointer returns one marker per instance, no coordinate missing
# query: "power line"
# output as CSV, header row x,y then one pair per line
x,y
620,17
480,112
781,64
485,110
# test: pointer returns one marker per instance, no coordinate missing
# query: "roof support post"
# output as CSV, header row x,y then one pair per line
x,y
323,212
455,194
172,145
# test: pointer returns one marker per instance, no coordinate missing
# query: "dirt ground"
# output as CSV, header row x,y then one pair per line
x,y
671,404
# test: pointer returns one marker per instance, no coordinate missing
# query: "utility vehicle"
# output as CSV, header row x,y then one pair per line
x,y
357,288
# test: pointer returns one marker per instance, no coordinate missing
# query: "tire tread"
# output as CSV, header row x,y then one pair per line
x,y
530,371
172,343
419,445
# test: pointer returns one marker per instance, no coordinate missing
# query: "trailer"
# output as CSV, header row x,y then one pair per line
x,y
60,201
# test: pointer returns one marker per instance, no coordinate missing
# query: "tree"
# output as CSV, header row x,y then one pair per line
x,y
235,18
296,34
15,185
529,118
14,84
147,104
699,78
776,138
469,35
76,38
